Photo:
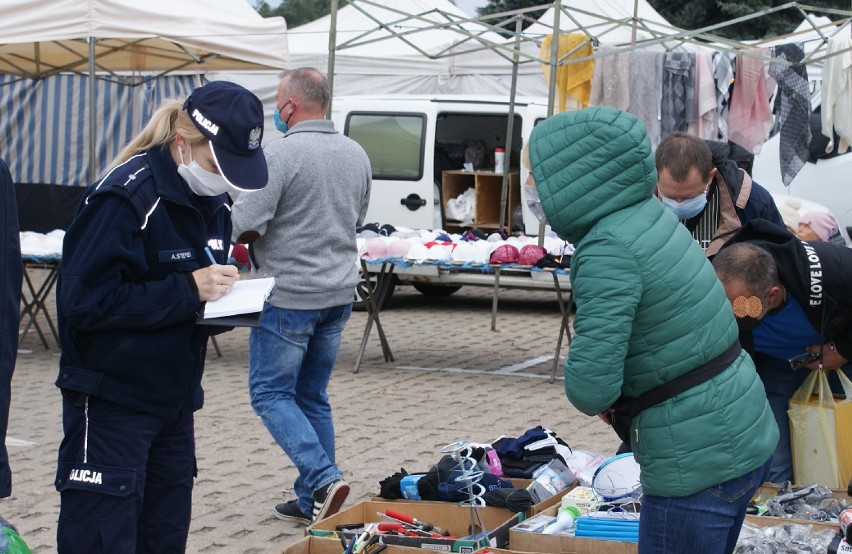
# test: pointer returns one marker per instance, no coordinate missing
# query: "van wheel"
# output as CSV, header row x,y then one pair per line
x,y
358,303
436,290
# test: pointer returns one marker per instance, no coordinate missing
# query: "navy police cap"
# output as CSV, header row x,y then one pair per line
x,y
231,117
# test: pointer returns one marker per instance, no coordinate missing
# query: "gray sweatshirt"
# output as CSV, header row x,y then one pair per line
x,y
318,192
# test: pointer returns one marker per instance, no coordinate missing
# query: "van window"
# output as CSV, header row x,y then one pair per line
x,y
394,143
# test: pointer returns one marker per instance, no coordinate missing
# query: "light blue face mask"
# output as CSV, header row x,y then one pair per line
x,y
280,124
687,209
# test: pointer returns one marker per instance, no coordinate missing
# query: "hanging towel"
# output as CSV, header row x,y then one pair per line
x,y
646,87
611,79
573,80
794,109
678,103
705,125
837,93
723,73
750,115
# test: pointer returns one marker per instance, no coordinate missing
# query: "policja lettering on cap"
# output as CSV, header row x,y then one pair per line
x,y
231,118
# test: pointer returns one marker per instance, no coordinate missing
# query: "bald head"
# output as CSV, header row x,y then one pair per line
x,y
747,264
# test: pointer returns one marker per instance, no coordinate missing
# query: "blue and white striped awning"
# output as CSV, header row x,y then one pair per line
x,y
44,123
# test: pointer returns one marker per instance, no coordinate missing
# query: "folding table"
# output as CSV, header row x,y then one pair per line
x,y
34,297
507,276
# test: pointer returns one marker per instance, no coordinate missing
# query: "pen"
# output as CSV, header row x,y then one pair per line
x,y
210,255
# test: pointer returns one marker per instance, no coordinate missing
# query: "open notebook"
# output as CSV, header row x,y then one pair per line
x,y
241,306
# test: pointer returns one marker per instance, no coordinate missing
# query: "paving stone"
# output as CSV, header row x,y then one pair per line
x,y
452,378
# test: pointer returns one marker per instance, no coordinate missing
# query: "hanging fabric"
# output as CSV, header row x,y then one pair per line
x,y
705,125
611,79
573,80
750,114
646,87
794,109
837,93
678,103
723,73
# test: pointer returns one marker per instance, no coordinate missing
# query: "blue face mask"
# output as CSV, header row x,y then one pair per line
x,y
279,123
687,209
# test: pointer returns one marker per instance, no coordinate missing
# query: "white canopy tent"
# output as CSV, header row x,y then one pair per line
x,y
129,41
408,46
612,22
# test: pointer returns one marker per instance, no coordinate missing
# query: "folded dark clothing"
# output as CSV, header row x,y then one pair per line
x,y
514,448
521,469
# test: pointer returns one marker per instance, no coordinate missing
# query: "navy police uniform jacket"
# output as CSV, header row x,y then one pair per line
x,y
127,302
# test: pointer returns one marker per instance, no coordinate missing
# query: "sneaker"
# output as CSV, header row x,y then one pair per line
x,y
329,499
290,510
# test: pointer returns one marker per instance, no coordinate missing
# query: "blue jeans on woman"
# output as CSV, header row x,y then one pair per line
x,y
291,355
707,522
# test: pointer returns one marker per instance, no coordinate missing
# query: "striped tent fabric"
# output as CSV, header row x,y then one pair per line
x,y
44,123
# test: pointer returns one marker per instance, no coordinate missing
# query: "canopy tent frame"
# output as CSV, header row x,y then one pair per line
x,y
665,35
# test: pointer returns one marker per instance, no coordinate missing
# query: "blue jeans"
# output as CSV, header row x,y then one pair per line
x,y
707,522
291,355
780,383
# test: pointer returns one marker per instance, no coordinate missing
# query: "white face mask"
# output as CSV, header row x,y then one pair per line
x,y
201,181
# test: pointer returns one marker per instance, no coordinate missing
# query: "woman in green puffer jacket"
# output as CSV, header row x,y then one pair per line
x,y
649,309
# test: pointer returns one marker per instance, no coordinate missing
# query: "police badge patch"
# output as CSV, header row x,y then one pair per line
x,y
254,138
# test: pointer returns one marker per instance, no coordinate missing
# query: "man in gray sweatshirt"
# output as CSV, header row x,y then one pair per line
x,y
302,232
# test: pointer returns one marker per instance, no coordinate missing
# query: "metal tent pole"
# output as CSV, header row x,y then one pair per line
x,y
504,191
332,49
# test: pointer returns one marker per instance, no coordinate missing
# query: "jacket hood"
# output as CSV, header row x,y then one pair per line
x,y
728,168
588,164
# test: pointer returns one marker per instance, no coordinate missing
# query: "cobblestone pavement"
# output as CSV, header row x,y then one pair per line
x,y
452,378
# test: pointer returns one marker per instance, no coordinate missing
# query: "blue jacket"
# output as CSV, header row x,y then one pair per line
x,y
127,302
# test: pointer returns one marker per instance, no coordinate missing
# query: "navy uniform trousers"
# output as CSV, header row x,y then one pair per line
x,y
130,473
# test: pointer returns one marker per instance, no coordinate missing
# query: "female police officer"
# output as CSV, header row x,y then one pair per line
x,y
134,274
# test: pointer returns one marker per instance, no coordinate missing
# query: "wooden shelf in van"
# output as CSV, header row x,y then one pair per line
x,y
487,186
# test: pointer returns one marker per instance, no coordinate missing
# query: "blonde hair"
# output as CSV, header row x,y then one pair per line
x,y
169,118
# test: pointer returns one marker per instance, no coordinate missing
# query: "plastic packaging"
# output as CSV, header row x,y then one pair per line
x,y
499,157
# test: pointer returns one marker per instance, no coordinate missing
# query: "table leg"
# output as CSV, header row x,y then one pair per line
x,y
373,306
565,309
36,304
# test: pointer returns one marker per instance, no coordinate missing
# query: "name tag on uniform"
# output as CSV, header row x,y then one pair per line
x,y
172,256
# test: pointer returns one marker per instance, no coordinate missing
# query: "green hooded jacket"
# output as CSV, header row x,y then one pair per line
x,y
649,307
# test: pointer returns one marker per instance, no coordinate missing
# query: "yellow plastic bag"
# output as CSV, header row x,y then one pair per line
x,y
821,432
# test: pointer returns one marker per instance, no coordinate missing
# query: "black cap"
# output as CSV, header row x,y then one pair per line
x,y
231,117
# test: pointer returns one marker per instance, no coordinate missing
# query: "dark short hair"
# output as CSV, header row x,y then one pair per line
x,y
680,152
308,85
749,264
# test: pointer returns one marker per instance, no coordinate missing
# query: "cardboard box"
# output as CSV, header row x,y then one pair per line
x,y
319,545
563,544
445,515
770,521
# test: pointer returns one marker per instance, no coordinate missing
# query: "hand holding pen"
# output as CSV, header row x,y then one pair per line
x,y
215,280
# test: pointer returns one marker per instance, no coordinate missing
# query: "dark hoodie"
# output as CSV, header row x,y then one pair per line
x,y
817,274
756,202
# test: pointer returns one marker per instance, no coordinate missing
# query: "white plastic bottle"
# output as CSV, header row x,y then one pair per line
x,y
499,157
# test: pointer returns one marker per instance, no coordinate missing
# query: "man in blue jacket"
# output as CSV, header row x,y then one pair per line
x,y
146,249
707,191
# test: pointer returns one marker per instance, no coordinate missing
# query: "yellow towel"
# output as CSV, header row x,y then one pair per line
x,y
573,80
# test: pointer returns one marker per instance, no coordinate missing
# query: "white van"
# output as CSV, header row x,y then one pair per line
x,y
417,147
413,140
